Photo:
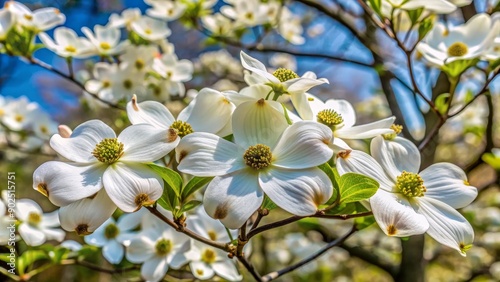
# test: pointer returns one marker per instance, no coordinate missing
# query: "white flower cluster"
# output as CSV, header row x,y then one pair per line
x,y
24,124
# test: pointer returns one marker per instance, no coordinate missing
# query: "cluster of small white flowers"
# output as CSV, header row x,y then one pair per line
x,y
25,124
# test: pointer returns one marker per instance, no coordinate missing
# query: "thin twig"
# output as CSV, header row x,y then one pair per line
x,y
275,274
250,268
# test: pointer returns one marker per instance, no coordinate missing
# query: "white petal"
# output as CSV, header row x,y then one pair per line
x,y
113,252
201,270
50,219
85,137
99,238
140,249
154,269
446,182
31,235
302,105
303,84
361,162
343,108
256,67
395,156
368,130
227,270
124,182
447,226
206,154
233,198
210,111
258,122
304,144
67,182
26,206
91,212
130,221
145,143
299,192
395,215
54,234
150,112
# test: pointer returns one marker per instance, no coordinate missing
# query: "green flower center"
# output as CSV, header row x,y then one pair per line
x,y
127,84
284,74
108,150
258,156
34,218
410,184
183,128
396,128
163,247
208,256
111,231
329,118
139,64
457,49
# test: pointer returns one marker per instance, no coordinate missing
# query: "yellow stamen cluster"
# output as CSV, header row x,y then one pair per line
x,y
108,151
457,49
34,218
111,231
258,156
284,74
127,84
70,49
105,45
396,128
209,256
329,118
163,247
212,235
183,128
410,184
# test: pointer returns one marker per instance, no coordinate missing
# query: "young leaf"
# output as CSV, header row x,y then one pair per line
x,y
268,204
194,185
168,200
190,205
172,178
356,187
334,176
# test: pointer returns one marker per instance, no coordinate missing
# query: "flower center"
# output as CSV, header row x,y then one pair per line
x,y
212,235
163,247
329,118
106,84
139,64
127,83
34,218
105,45
457,49
208,256
19,118
410,184
108,150
183,128
111,231
70,49
284,74
148,31
396,128
258,156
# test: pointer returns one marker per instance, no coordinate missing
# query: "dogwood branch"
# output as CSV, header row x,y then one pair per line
x,y
46,66
275,274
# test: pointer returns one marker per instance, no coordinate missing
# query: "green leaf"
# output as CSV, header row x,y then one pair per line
x,y
28,258
356,187
268,204
194,185
456,68
492,160
415,15
172,178
169,200
424,27
442,102
376,6
364,222
190,205
334,176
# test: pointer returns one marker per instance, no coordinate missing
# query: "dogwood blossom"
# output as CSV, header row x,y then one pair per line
x,y
151,29
340,116
36,227
210,112
158,247
98,158
38,20
106,39
206,261
281,81
112,236
67,44
469,41
125,19
267,157
409,202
